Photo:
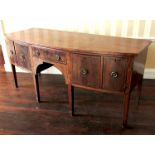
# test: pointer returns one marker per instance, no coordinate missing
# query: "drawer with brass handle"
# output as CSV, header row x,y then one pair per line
x,y
52,55
55,55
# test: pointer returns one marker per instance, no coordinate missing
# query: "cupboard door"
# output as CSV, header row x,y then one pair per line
x,y
86,70
114,73
23,56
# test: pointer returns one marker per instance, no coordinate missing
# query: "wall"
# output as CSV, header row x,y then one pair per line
x,y
151,57
125,28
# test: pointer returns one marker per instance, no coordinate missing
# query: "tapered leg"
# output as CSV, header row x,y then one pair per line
x,y
126,109
14,75
139,88
36,86
71,98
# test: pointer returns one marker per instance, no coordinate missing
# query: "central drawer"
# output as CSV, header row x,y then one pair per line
x,y
86,70
48,54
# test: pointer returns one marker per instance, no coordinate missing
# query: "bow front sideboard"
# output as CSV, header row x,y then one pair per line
x,y
88,61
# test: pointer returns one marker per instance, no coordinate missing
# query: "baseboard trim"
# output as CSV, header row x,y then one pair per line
x,y
149,74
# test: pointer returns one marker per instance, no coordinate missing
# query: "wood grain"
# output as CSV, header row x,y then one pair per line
x,y
95,112
94,62
86,70
80,41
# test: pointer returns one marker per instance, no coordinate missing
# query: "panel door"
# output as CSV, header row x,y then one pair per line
x,y
114,72
86,70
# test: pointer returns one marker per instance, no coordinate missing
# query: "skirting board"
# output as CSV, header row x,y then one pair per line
x,y
149,74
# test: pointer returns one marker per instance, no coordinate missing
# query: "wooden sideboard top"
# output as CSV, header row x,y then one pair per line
x,y
75,41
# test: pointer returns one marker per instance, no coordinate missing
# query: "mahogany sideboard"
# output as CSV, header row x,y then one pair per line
x,y
94,62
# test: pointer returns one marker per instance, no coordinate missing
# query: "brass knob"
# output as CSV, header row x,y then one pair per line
x,y
22,57
37,53
57,57
11,51
114,74
84,71
117,59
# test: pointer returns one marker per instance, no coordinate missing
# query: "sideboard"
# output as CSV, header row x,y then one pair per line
x,y
88,61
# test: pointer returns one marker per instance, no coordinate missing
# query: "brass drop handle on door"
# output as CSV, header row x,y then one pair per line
x,y
84,71
114,74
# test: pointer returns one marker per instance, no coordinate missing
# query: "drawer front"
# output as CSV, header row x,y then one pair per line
x,y
114,73
52,55
23,57
86,70
11,51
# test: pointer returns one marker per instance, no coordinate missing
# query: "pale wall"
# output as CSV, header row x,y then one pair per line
x,y
125,28
150,63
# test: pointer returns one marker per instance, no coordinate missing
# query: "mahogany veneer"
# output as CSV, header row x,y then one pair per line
x,y
95,62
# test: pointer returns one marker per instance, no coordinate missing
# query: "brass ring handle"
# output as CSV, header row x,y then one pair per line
x,y
84,71
57,57
114,74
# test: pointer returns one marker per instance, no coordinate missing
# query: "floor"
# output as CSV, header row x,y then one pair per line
x,y
96,113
